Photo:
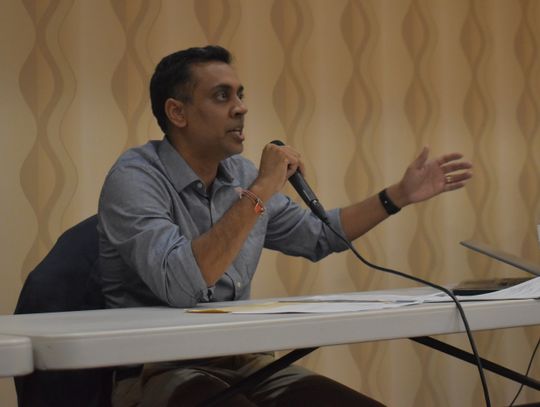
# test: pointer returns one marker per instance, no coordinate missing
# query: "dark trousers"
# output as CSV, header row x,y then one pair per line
x,y
173,384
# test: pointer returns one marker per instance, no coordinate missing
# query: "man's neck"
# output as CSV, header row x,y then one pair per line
x,y
205,167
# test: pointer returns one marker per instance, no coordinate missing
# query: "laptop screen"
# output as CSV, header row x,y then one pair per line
x,y
508,258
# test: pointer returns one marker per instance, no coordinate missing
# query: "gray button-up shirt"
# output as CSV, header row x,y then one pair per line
x,y
153,205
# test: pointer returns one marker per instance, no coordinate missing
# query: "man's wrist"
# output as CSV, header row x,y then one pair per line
x,y
397,195
258,204
390,207
258,189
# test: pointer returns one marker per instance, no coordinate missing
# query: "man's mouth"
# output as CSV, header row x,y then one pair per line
x,y
237,131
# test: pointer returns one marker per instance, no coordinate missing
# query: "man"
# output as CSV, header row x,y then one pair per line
x,y
184,220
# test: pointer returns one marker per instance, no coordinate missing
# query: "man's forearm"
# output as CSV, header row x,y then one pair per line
x,y
216,249
361,217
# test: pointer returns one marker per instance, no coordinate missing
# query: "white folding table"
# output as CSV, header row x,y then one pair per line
x,y
85,339
15,356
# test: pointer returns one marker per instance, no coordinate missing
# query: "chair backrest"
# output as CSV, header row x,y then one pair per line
x,y
65,280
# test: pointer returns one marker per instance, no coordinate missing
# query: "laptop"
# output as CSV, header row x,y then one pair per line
x,y
473,287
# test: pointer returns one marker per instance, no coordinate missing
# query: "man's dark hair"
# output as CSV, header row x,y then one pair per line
x,y
173,77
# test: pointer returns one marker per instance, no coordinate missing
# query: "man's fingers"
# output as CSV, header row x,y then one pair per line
x,y
294,160
459,166
448,158
456,180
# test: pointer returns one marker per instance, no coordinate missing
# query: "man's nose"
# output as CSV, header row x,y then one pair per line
x,y
239,108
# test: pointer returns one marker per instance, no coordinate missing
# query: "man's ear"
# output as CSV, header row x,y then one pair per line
x,y
175,111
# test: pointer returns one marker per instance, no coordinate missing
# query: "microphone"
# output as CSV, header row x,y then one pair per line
x,y
306,193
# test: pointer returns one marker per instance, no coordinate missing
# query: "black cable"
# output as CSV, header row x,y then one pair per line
x,y
469,357
438,287
526,373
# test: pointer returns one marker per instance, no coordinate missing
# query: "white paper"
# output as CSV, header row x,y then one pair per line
x,y
363,301
337,303
320,307
359,297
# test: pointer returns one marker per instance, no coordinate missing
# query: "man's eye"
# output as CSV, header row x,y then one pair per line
x,y
222,96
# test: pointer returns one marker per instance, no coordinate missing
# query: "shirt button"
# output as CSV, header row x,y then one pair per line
x,y
238,284
199,185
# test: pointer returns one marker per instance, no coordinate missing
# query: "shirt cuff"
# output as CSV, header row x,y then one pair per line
x,y
187,275
337,244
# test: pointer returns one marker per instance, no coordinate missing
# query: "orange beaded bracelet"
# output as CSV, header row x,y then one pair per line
x,y
259,206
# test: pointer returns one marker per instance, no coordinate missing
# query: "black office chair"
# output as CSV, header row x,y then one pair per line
x,y
65,280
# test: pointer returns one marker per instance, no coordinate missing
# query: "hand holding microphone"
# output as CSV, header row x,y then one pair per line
x,y
306,193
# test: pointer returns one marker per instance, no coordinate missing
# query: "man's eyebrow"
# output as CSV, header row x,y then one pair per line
x,y
224,86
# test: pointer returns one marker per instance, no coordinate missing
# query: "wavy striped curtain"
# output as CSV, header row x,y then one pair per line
x,y
358,86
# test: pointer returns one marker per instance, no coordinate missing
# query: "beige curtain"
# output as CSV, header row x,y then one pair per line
x,y
358,86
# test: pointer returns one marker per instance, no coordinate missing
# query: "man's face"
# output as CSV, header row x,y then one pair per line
x,y
215,115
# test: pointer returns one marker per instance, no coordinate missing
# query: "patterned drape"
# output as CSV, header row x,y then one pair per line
x,y
358,86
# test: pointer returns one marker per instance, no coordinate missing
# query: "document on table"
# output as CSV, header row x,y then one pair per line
x,y
365,301
317,304
299,307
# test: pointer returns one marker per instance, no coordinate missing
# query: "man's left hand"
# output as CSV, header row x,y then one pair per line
x,y
424,179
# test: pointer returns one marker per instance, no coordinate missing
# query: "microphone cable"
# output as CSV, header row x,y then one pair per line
x,y
430,284
526,373
308,196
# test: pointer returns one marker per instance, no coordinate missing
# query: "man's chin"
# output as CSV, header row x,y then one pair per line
x,y
239,148
238,142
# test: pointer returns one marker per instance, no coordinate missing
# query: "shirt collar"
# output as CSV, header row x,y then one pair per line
x,y
179,171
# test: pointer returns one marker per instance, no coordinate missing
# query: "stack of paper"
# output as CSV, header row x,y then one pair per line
x,y
363,301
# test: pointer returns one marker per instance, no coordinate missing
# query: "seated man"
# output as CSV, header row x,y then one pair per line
x,y
184,220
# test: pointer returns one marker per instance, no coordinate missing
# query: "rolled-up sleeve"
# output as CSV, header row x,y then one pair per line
x,y
295,231
136,219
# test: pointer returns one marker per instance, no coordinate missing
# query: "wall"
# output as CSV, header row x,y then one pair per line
x,y
357,86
